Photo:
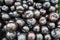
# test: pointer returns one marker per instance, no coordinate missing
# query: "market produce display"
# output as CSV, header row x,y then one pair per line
x,y
29,20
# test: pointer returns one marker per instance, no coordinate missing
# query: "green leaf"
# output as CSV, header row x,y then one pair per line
x,y
58,6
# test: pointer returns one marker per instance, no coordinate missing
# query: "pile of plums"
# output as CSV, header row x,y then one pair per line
x,y
29,20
